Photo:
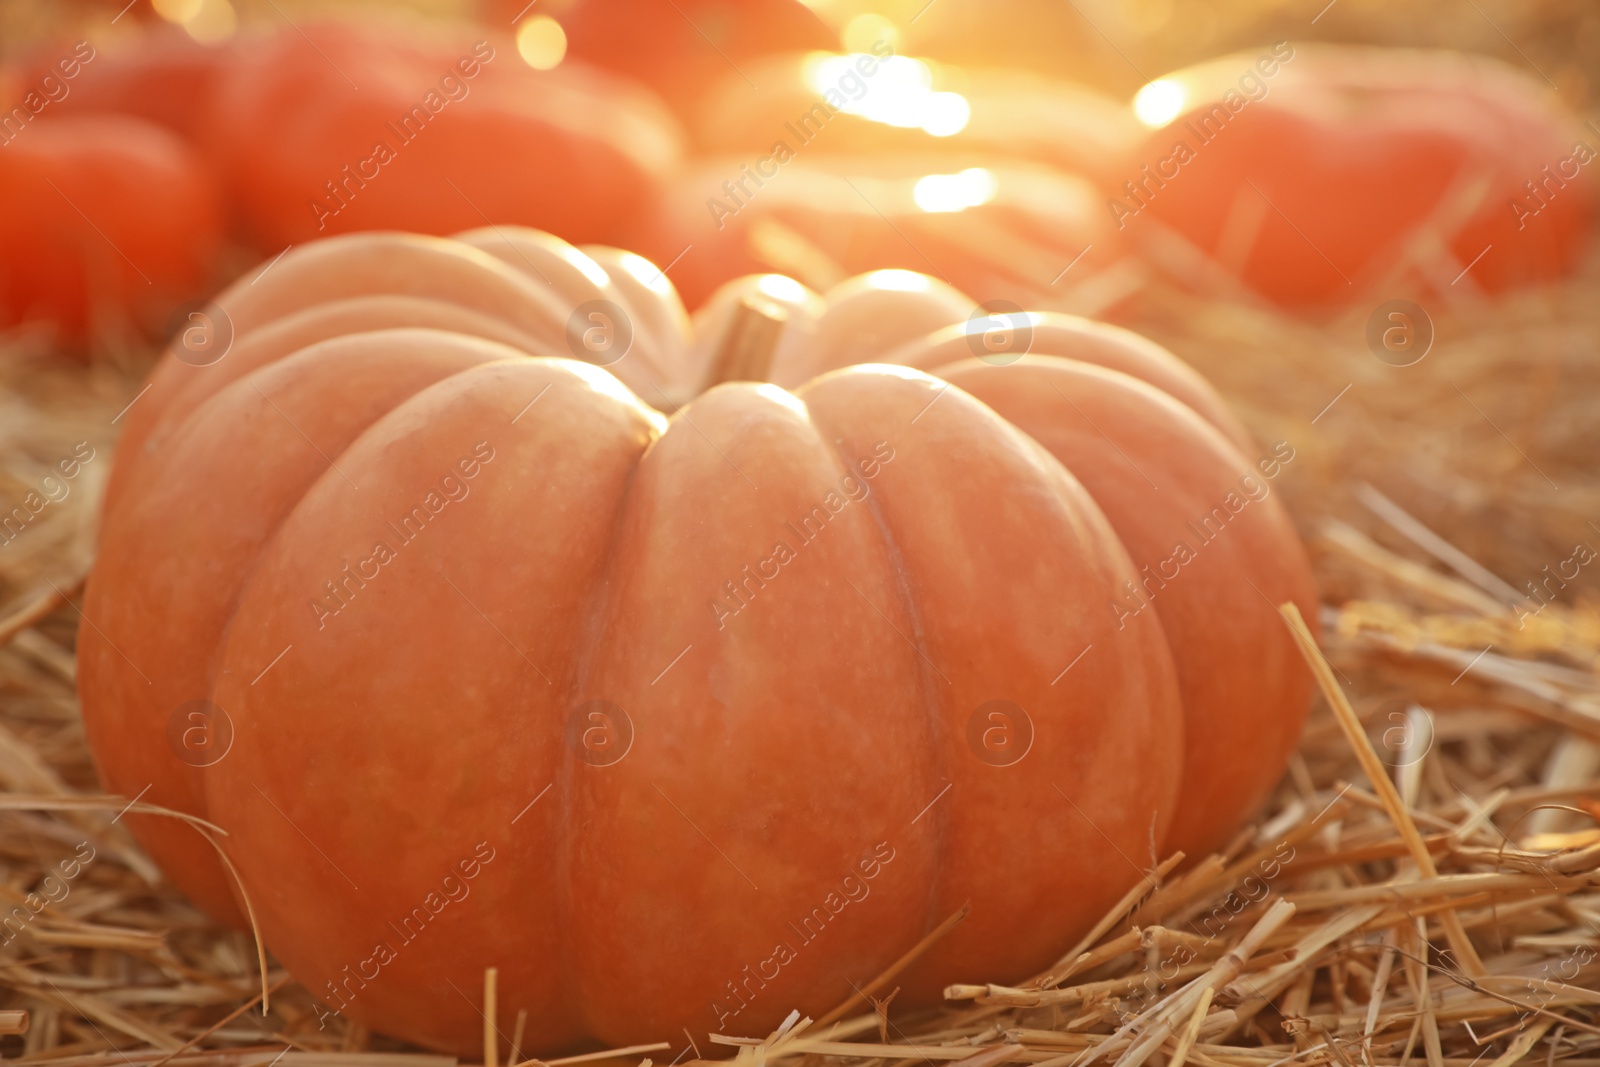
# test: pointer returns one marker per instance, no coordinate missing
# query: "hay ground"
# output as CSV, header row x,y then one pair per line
x,y
1445,880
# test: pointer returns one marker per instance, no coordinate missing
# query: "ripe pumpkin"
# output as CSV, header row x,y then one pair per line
x,y
1315,174
994,228
1026,35
883,102
106,221
682,50
342,127
161,74
1064,381
749,649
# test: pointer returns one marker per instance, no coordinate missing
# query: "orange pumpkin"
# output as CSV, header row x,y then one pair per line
x,y
1053,39
677,722
883,102
161,74
683,49
106,221
999,229
341,128
1317,175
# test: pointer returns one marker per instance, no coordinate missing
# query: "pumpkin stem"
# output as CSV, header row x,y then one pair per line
x,y
750,343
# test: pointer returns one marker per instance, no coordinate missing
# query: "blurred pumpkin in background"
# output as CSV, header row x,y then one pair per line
x,y
161,74
1087,41
997,229
878,101
337,127
598,568
1314,174
680,48
106,222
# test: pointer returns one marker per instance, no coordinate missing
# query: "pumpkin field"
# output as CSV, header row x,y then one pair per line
x,y
842,532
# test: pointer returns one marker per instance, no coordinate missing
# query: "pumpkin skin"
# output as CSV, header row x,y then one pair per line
x,y
1164,479
1010,113
196,568
1021,35
105,221
523,310
824,219
1356,155
572,149
682,50
317,294
801,732
162,75
654,352
1185,503
649,298
1073,337
742,763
